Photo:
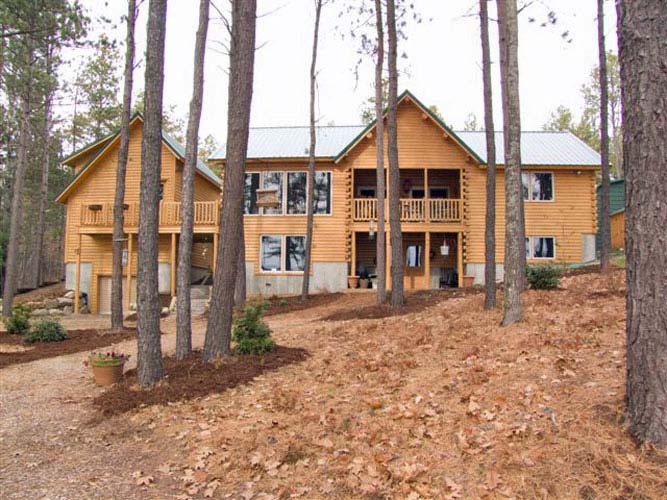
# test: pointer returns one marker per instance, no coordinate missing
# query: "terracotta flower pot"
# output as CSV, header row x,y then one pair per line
x,y
363,283
108,375
468,281
353,281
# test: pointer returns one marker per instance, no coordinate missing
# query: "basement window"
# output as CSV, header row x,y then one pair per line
x,y
540,247
280,253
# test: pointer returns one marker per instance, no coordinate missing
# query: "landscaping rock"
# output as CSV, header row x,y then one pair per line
x,y
49,304
84,310
68,310
64,301
40,312
55,312
69,294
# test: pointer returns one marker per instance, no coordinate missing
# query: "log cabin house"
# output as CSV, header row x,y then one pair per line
x,y
442,207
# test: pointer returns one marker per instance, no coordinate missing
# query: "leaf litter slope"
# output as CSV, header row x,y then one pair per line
x,y
439,403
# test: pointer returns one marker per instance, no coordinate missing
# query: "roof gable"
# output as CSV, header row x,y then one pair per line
x,y
103,145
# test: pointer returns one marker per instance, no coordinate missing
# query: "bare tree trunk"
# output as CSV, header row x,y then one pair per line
x,y
643,58
149,350
240,286
119,196
241,68
44,187
490,228
605,219
396,236
380,188
310,181
183,274
9,287
514,240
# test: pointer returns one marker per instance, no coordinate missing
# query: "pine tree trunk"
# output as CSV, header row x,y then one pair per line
x,y
119,236
149,350
396,236
605,219
311,158
11,260
490,228
240,286
183,274
44,186
643,59
241,68
514,239
380,173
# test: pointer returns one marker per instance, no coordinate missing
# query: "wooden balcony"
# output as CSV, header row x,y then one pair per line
x,y
100,216
412,209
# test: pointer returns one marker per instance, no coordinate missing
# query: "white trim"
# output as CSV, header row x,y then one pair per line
x,y
283,253
530,186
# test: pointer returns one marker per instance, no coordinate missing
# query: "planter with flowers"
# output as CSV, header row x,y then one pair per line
x,y
107,366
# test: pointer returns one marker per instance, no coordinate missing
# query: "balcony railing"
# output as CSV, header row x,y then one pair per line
x,y
412,209
206,213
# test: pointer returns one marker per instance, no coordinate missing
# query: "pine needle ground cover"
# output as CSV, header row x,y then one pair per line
x,y
438,403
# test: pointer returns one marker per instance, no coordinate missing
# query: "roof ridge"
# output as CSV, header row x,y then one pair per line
x,y
307,126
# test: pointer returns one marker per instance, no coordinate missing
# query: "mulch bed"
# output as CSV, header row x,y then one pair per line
x,y
41,294
192,378
282,305
414,302
78,341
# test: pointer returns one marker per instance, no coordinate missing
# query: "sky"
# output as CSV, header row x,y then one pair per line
x,y
443,65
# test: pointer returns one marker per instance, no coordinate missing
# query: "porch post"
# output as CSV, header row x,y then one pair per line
x,y
128,286
427,204
215,250
77,278
353,270
387,244
173,265
459,256
427,258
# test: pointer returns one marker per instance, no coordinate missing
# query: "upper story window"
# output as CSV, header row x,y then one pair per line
x,y
291,191
538,186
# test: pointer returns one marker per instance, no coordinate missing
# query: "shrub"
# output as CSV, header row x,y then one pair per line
x,y
46,331
252,335
19,322
107,358
543,277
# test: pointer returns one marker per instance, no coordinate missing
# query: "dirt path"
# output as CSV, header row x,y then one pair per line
x,y
48,449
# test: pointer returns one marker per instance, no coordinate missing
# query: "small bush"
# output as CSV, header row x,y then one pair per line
x,y
46,331
252,335
19,322
543,277
112,358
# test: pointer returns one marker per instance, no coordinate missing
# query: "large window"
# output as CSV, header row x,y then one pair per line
x,y
250,194
291,191
540,247
537,186
283,253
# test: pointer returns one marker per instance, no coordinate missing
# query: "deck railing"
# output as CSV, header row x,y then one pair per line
x,y
412,209
206,213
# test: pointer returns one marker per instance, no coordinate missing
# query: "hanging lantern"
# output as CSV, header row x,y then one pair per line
x,y
267,198
444,249
371,229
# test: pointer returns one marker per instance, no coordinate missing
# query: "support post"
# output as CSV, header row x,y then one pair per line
x,y
427,258
353,269
427,202
459,257
387,244
77,278
215,251
128,286
173,265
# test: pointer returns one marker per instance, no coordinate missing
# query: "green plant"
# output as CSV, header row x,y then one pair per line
x,y
282,303
19,322
46,331
251,334
543,277
107,358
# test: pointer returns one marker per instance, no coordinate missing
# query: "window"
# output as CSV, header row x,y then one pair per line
x,y
413,256
274,180
250,194
540,247
537,186
417,193
161,191
283,253
296,192
295,258
271,249
322,193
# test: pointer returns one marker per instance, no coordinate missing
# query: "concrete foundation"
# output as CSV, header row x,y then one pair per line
x,y
477,270
326,277
587,247
84,279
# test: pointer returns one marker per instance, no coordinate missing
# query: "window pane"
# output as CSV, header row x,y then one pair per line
x,y
417,193
296,253
274,180
296,193
413,256
367,193
250,194
322,191
543,248
270,253
528,248
525,180
542,186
